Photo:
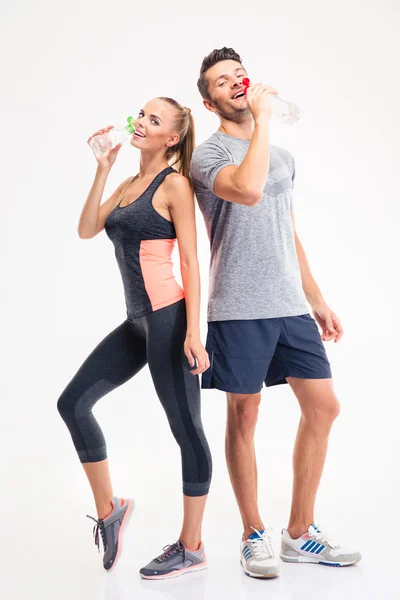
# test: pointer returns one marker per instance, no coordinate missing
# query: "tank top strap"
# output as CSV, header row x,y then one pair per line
x,y
158,180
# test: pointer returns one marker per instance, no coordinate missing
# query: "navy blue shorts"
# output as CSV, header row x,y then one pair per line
x,y
244,354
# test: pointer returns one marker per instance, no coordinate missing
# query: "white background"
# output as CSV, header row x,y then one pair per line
x,y
70,68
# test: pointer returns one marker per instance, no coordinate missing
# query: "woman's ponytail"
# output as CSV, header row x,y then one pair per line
x,y
181,153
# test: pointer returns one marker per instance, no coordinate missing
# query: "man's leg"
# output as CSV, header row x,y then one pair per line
x,y
241,458
319,408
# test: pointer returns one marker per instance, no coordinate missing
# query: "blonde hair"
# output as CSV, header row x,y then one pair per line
x,y
181,153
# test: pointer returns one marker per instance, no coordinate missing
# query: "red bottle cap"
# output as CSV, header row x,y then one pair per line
x,y
246,83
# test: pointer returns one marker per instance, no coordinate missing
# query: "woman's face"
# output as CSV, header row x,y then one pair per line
x,y
155,127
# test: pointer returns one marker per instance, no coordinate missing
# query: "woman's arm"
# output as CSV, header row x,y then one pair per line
x,y
180,202
93,216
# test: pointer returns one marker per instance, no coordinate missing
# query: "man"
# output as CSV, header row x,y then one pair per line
x,y
259,327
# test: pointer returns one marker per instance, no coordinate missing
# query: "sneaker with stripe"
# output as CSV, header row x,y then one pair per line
x,y
111,530
314,546
257,555
175,560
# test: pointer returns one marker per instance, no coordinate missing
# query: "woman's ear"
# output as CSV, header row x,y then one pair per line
x,y
172,140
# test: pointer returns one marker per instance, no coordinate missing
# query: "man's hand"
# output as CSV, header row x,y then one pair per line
x,y
258,100
329,323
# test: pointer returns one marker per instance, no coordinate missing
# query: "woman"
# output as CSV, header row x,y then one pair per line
x,y
144,218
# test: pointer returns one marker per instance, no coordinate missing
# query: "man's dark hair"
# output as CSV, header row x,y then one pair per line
x,y
209,61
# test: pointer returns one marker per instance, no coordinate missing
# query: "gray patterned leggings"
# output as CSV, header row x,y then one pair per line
x,y
155,339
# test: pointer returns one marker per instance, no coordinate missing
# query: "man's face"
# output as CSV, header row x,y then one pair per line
x,y
226,90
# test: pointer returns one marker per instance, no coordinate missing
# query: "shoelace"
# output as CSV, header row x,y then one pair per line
x,y
99,527
171,549
319,536
262,544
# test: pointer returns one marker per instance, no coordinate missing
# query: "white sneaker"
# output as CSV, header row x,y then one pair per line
x,y
257,555
315,547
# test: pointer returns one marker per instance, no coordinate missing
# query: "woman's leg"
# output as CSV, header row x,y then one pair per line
x,y
117,358
193,512
179,393
98,474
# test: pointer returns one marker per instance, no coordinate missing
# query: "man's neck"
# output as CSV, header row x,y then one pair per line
x,y
243,130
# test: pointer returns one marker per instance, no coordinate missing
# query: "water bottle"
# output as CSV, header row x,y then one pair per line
x,y
103,142
288,112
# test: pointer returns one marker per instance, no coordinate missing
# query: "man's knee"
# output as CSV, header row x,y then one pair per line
x,y
324,411
243,411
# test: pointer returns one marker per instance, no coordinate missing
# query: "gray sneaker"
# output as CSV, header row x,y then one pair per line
x,y
314,546
175,560
111,530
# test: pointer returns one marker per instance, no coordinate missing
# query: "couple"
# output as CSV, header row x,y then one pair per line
x,y
259,327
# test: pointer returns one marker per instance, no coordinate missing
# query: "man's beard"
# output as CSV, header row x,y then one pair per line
x,y
237,116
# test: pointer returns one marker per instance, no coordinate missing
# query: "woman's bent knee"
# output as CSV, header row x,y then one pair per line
x,y
64,404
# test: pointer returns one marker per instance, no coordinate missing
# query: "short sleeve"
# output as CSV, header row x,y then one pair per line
x,y
207,161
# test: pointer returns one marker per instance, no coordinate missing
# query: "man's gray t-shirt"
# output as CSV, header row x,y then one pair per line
x,y
254,269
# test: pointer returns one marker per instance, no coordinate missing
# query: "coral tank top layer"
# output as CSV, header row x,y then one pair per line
x,y
144,241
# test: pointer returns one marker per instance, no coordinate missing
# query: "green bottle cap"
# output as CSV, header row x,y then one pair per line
x,y
130,127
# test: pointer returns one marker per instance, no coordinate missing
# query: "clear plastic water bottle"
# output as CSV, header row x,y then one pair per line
x,y
288,112
103,142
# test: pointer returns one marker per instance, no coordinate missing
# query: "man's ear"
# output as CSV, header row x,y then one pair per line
x,y
209,105
172,140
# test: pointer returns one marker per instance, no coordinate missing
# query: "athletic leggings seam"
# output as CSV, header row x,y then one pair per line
x,y
183,408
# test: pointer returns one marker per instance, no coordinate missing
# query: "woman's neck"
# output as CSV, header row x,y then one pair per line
x,y
151,164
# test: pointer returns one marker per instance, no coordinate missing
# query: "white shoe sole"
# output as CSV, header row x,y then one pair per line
x,y
310,559
274,572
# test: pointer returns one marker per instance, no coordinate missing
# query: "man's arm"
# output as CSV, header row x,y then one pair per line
x,y
244,184
213,167
326,318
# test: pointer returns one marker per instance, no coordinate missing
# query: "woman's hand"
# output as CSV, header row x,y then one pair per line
x,y
193,348
107,159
